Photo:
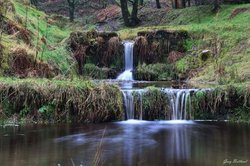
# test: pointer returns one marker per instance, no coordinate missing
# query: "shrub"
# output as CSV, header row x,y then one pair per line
x,y
154,72
94,71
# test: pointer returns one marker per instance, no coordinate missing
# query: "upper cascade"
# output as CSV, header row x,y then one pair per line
x,y
127,74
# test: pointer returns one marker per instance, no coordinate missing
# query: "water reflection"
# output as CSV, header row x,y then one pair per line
x,y
180,143
126,143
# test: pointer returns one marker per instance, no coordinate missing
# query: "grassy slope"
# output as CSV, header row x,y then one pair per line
x,y
55,32
206,28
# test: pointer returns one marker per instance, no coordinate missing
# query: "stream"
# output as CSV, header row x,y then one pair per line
x,y
127,143
173,141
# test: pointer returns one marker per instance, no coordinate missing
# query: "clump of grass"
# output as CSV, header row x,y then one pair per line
x,y
221,102
21,61
174,56
24,35
154,72
94,71
141,46
151,104
73,101
22,21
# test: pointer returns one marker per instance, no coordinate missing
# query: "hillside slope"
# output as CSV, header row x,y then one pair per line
x,y
37,34
225,36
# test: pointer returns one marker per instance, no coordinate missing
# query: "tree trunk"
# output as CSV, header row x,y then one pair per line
x,y
176,4
141,2
125,12
72,13
34,2
216,6
183,3
71,4
158,5
134,18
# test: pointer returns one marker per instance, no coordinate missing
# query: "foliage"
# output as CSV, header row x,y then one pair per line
x,y
222,103
104,49
152,103
228,39
40,33
94,71
61,100
154,72
181,66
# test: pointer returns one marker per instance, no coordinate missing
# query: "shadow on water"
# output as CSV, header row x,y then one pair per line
x,y
127,143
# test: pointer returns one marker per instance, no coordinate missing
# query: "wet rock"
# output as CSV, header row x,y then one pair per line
x,y
205,55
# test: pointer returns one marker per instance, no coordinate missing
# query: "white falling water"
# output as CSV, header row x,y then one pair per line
x,y
129,103
179,100
127,74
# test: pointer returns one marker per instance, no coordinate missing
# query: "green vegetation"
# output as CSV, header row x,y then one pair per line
x,y
226,36
45,38
94,71
153,104
202,46
152,72
57,101
229,102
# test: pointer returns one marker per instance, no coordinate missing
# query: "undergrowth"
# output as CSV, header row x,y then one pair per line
x,y
226,37
57,101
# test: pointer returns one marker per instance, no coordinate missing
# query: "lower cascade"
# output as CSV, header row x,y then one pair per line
x,y
180,100
179,103
129,103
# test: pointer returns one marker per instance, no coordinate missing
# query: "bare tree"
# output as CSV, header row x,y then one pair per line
x,y
72,5
158,5
216,5
34,2
125,12
130,19
141,2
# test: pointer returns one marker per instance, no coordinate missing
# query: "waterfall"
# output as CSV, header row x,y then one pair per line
x,y
129,103
179,101
128,53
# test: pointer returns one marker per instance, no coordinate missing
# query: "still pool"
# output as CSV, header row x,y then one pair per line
x,y
127,143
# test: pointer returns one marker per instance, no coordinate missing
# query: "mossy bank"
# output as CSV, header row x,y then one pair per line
x,y
57,101
230,102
